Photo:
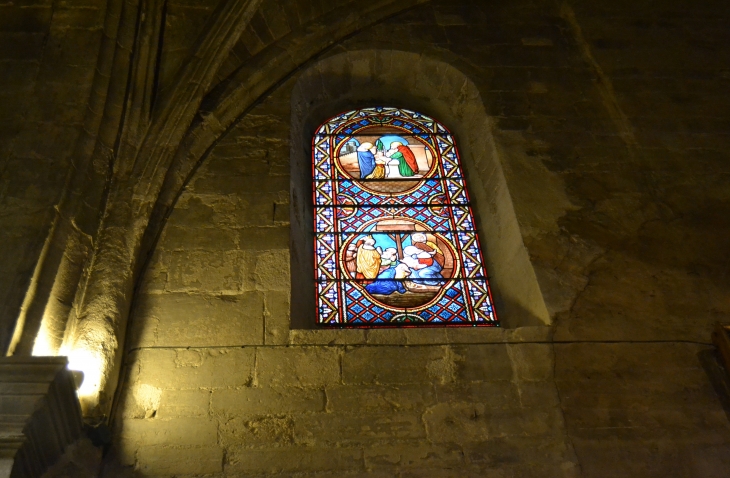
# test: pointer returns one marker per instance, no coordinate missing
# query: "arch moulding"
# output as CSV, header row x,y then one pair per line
x,y
356,79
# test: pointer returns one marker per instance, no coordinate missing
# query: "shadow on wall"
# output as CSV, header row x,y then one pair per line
x,y
358,79
717,375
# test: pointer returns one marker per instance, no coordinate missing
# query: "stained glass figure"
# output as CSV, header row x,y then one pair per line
x,y
395,241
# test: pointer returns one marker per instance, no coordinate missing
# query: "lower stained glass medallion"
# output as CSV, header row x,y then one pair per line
x,y
395,242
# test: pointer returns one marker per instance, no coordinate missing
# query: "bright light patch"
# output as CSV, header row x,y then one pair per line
x,y
42,346
90,365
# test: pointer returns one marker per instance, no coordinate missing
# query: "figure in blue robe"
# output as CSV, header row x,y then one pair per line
x,y
365,159
385,283
430,275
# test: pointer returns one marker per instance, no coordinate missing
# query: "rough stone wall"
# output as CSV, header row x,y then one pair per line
x,y
656,207
184,20
613,149
48,52
612,127
218,383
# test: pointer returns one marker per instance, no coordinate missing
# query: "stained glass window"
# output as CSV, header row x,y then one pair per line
x,y
395,242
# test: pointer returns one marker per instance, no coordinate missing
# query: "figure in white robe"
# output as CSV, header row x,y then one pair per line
x,y
424,269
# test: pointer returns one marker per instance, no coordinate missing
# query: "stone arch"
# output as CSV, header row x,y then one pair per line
x,y
355,79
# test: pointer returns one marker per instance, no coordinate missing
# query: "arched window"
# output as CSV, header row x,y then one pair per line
x,y
395,241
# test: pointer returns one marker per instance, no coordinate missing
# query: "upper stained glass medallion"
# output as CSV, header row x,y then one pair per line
x,y
395,241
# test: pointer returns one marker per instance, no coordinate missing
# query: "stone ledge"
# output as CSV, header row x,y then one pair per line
x,y
424,336
39,414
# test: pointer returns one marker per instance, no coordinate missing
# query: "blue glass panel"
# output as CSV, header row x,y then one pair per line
x,y
434,305
413,192
360,218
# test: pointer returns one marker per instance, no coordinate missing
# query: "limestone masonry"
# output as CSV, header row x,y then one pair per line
x,y
155,204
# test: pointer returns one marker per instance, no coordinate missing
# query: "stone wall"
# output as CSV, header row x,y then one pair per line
x,y
613,157
219,381
610,123
48,52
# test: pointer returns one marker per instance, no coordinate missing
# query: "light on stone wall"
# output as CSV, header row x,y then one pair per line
x,y
42,346
88,363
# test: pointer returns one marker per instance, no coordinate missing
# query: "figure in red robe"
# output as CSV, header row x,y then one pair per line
x,y
407,165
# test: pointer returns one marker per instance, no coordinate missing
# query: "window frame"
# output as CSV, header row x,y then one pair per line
x,y
326,171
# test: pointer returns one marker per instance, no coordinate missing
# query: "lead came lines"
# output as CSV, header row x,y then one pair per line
x,y
392,227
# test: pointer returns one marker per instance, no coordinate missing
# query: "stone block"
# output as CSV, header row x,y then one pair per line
x,y
153,281
386,336
248,401
78,43
250,155
247,260
393,365
352,428
471,472
372,398
298,459
276,317
456,422
21,46
659,395
203,271
525,422
265,121
298,366
140,400
184,403
674,363
272,270
259,27
35,180
177,238
482,362
260,214
179,369
14,19
194,211
275,19
264,238
82,18
163,460
240,184
281,213
327,337
634,458
256,432
404,456
46,140
532,362
497,394
16,76
125,453
186,320
639,423
427,336
538,394
169,432
515,450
